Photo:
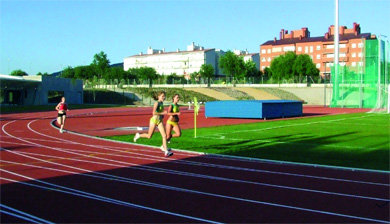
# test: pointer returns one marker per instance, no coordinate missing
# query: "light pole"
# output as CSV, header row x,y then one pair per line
x,y
336,50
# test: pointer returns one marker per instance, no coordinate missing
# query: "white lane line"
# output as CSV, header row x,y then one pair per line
x,y
73,191
225,157
182,173
231,167
22,215
229,197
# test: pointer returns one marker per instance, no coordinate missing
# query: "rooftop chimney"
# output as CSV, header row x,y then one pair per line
x,y
326,36
274,39
282,34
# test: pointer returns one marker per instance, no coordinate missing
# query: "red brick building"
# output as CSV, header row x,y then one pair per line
x,y
320,49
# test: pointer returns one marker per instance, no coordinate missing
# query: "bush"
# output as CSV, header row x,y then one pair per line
x,y
105,97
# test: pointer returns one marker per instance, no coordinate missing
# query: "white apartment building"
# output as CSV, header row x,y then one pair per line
x,y
178,62
255,57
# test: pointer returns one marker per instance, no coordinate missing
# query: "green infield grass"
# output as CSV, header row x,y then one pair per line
x,y
359,140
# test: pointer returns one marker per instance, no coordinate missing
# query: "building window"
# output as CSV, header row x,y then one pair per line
x,y
263,59
330,55
299,48
289,48
306,49
342,45
360,45
329,46
342,55
354,55
318,56
311,49
276,49
318,47
263,51
360,54
318,65
360,63
342,63
329,64
353,64
353,45
269,59
269,51
262,67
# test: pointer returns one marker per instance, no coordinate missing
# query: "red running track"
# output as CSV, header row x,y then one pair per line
x,y
51,177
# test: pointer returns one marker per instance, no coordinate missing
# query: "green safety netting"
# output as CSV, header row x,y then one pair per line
x,y
364,85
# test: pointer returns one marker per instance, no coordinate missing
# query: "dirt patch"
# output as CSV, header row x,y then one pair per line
x,y
212,93
257,93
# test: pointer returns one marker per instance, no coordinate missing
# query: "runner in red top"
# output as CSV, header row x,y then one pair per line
x,y
62,107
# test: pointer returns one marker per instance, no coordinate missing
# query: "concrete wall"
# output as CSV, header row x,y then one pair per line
x,y
312,95
73,89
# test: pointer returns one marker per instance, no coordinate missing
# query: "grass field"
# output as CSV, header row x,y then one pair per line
x,y
350,140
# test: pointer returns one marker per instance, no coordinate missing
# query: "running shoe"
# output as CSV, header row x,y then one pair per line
x,y
168,153
136,137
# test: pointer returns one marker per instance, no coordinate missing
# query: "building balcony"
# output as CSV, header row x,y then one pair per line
x,y
331,50
341,59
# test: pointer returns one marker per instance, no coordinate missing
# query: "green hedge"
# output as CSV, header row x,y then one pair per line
x,y
101,96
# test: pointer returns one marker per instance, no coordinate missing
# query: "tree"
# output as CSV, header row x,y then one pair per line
x,y
131,73
232,65
282,66
267,72
147,73
195,76
18,73
68,72
84,72
115,73
207,71
100,63
304,66
250,69
42,74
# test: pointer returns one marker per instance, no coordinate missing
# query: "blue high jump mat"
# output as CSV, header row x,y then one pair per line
x,y
261,109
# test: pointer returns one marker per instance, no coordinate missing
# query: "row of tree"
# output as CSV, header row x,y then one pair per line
x,y
292,66
283,67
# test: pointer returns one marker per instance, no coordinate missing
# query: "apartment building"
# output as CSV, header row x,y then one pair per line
x,y
255,57
178,62
320,49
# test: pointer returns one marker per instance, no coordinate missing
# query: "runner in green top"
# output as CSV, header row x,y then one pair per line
x,y
156,120
173,120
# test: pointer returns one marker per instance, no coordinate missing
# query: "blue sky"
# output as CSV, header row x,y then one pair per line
x,y
46,36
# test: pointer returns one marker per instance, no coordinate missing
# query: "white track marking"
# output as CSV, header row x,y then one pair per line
x,y
214,195
248,169
182,173
73,191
